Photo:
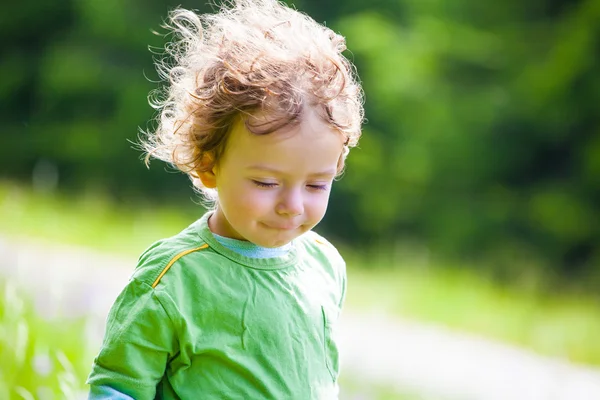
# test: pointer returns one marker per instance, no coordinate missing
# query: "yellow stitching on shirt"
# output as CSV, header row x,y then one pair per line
x,y
177,257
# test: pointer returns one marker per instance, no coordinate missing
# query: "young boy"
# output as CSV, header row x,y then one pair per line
x,y
260,111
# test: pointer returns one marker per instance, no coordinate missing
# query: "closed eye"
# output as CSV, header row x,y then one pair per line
x,y
318,187
264,184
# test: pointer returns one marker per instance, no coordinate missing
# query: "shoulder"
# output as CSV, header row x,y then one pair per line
x,y
330,261
316,246
314,242
163,255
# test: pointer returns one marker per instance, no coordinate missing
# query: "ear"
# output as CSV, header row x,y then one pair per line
x,y
207,176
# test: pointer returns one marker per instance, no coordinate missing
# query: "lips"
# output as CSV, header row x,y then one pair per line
x,y
282,227
285,228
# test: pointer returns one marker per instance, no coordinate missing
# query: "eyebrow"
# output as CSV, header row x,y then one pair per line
x,y
324,174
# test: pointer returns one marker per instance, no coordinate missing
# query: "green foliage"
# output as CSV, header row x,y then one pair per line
x,y
481,140
482,136
39,358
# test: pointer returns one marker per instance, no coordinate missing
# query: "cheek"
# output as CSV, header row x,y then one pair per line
x,y
316,206
254,201
258,204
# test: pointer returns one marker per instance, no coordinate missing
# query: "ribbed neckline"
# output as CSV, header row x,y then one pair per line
x,y
272,263
250,249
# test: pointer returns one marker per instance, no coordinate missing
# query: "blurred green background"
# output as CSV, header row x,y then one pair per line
x,y
477,179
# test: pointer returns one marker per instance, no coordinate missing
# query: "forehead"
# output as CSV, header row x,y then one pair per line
x,y
307,146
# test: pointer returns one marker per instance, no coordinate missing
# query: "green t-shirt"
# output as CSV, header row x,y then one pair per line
x,y
200,321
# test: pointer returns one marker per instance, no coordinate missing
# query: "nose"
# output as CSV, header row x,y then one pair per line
x,y
291,203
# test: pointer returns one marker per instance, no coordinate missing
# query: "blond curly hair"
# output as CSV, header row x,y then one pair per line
x,y
252,56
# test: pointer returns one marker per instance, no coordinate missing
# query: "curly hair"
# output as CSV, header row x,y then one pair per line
x,y
252,56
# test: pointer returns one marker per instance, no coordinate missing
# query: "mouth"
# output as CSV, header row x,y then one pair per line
x,y
282,227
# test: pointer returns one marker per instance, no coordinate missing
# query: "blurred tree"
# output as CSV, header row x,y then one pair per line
x,y
482,116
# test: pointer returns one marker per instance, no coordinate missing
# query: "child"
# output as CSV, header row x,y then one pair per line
x,y
261,111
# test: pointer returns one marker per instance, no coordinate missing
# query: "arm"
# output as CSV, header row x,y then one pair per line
x,y
140,339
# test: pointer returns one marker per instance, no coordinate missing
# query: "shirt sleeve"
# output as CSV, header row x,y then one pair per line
x,y
140,338
106,393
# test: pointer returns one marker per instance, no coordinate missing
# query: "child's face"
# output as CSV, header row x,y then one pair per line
x,y
272,188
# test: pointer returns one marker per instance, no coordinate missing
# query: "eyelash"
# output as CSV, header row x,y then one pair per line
x,y
272,185
318,187
264,184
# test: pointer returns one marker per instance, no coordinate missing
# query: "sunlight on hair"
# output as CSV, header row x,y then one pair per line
x,y
254,55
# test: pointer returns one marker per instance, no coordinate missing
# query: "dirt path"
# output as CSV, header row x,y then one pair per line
x,y
432,362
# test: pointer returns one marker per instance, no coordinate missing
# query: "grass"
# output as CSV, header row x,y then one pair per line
x,y
93,220
562,324
558,325
39,358
355,389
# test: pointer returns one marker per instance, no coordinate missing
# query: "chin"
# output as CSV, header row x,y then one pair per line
x,y
276,242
